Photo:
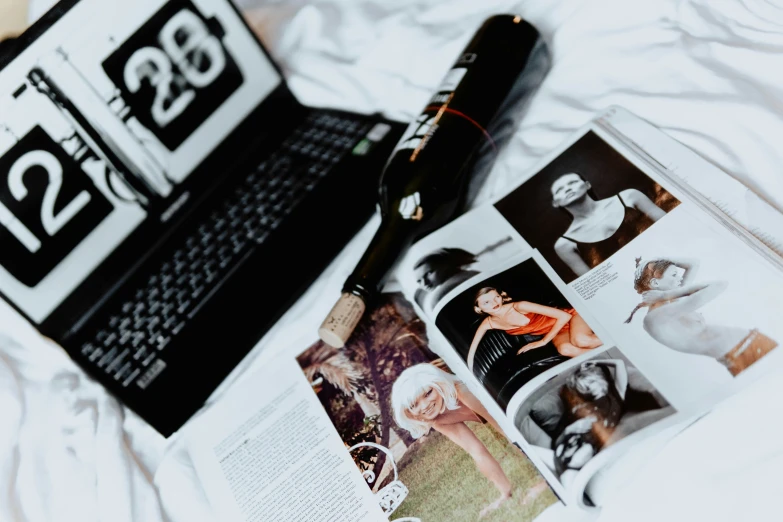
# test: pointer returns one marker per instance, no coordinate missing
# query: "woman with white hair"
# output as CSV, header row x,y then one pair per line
x,y
424,397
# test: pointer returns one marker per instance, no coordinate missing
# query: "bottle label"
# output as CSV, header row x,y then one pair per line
x,y
452,79
410,207
418,130
448,86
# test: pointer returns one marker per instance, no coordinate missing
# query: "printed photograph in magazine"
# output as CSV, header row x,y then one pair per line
x,y
674,299
584,206
425,444
698,309
589,405
513,326
468,246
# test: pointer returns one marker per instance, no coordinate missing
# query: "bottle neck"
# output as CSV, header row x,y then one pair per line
x,y
392,237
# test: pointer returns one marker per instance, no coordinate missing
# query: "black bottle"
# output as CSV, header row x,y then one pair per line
x,y
425,182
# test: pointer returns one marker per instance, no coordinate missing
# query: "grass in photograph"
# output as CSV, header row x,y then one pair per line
x,y
445,484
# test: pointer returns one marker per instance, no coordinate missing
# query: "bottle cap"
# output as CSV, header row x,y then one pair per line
x,y
341,321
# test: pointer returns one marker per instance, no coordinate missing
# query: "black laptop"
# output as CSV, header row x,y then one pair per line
x,y
166,198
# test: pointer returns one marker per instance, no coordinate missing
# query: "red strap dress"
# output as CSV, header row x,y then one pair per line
x,y
538,325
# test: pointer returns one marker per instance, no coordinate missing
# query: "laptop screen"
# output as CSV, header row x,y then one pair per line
x,y
103,118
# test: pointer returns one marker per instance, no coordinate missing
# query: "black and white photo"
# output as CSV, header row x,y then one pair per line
x,y
446,259
585,409
673,295
584,206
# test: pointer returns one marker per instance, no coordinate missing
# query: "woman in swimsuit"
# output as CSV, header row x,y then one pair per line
x,y
424,397
599,227
565,328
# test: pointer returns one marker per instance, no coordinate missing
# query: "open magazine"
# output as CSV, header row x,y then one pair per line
x,y
531,347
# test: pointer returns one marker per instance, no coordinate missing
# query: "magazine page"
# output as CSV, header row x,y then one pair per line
x,y
267,451
418,441
618,302
687,298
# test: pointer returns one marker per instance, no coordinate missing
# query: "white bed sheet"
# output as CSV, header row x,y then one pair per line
x,y
705,71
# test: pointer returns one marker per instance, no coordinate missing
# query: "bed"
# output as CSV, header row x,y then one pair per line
x,y
707,72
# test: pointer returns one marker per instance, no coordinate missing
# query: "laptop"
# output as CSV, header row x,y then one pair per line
x,y
166,198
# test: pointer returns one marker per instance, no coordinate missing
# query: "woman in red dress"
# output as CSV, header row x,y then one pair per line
x,y
564,328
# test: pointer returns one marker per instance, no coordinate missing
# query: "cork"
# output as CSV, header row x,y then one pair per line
x,y
341,321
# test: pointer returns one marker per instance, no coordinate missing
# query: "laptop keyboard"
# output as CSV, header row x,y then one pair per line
x,y
136,333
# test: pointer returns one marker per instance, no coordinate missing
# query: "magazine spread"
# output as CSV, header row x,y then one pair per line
x,y
603,299
538,348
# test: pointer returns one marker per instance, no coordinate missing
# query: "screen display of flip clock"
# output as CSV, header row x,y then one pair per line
x,y
103,117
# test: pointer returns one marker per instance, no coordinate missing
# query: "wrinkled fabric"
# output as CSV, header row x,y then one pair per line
x,y
704,71
63,453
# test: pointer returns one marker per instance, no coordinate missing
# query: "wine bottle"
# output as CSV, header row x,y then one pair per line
x,y
424,182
